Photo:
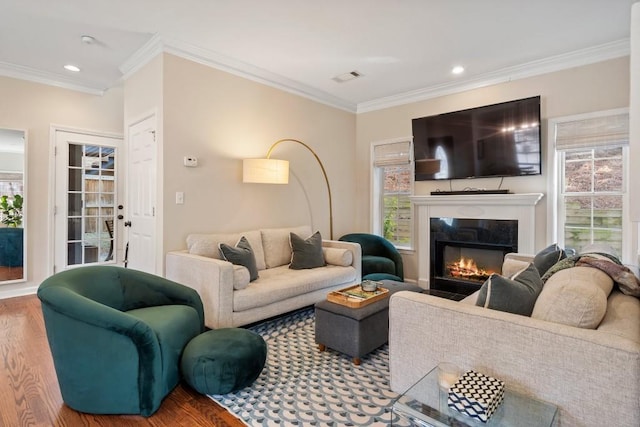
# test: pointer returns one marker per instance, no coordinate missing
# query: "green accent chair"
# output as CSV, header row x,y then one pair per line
x,y
117,335
380,258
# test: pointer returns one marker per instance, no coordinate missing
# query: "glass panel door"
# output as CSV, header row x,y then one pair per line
x,y
86,200
91,204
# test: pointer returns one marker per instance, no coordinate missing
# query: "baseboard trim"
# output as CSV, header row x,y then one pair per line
x,y
17,292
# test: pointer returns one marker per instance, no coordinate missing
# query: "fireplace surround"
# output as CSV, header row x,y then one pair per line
x,y
520,208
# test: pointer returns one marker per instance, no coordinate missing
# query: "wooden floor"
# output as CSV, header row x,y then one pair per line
x,y
10,273
29,392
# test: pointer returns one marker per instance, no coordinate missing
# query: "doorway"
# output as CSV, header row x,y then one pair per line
x,y
86,209
142,154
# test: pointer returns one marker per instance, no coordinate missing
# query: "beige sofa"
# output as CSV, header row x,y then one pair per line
x,y
229,298
592,375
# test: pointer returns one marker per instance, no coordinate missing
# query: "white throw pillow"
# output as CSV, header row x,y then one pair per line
x,y
275,241
241,277
575,296
338,256
512,266
208,244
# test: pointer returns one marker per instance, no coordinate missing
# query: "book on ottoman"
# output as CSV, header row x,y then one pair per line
x,y
476,395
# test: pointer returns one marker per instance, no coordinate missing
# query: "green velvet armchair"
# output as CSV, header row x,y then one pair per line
x,y
380,258
116,336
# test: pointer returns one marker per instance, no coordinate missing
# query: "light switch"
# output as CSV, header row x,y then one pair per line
x,y
179,198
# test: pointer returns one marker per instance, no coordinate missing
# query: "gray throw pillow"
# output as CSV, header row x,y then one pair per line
x,y
548,257
516,294
306,253
242,254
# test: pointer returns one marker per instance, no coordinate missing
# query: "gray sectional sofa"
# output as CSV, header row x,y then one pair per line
x,y
589,368
230,299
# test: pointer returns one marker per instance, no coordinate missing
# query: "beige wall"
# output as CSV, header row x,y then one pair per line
x,y
221,118
595,87
143,92
34,108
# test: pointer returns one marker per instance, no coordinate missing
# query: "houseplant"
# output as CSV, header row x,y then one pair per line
x,y
11,210
12,235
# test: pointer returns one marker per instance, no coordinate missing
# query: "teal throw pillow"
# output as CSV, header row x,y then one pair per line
x,y
306,253
516,294
548,257
242,254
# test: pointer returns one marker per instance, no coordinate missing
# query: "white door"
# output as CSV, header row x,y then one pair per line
x,y
86,199
141,195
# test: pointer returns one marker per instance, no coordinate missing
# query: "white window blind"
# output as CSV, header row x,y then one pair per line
x,y
594,132
392,154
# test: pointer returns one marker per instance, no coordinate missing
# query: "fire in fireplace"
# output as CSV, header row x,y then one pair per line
x,y
466,252
467,269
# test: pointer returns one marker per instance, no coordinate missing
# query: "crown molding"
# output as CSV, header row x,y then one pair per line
x,y
50,79
152,48
577,58
159,44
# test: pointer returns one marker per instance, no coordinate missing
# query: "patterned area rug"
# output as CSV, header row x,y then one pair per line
x,y
301,386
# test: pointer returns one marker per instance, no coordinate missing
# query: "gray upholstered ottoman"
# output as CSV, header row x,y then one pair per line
x,y
356,331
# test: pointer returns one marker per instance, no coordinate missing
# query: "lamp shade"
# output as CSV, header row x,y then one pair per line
x,y
265,171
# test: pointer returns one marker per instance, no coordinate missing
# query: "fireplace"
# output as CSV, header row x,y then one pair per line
x,y
465,252
520,208
462,267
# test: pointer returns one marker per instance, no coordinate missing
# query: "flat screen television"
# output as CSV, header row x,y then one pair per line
x,y
492,141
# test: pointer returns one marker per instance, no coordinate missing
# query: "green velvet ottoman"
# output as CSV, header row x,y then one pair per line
x,y
223,360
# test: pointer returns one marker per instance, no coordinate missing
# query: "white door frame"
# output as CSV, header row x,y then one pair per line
x,y
53,130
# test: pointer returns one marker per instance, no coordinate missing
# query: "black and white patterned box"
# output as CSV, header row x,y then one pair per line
x,y
476,395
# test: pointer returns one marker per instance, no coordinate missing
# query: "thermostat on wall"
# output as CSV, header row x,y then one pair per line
x,y
190,162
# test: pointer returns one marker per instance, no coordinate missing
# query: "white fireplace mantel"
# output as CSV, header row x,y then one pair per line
x,y
519,207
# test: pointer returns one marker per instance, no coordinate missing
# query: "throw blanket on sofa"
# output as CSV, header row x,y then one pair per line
x,y
628,283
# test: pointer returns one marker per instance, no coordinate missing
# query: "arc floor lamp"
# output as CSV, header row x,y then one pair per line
x,y
275,171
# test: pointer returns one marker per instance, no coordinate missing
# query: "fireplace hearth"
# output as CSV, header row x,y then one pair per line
x,y
465,252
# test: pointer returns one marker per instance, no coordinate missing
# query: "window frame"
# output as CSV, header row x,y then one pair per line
x,y
556,208
377,185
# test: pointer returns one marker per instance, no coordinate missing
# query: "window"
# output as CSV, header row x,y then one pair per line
x,y
392,187
591,153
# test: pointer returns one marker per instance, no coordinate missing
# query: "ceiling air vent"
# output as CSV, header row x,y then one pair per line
x,y
346,77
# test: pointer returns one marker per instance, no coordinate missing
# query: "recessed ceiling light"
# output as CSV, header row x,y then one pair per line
x,y
87,39
73,68
458,69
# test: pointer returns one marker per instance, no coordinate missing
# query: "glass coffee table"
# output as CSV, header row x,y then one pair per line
x,y
425,404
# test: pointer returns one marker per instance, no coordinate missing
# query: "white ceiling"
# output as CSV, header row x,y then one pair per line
x,y
403,48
